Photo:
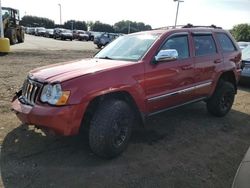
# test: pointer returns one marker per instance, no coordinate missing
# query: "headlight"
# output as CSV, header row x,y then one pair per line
x,y
54,95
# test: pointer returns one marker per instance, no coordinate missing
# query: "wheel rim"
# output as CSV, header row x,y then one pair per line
x,y
121,131
226,101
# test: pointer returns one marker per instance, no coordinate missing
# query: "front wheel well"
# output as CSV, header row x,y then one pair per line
x,y
94,104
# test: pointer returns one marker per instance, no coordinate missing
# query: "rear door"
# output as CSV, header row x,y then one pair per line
x,y
207,58
168,83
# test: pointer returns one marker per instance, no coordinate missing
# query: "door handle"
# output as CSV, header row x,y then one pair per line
x,y
217,61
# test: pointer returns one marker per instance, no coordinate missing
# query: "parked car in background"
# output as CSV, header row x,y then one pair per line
x,y
28,30
94,34
57,32
243,45
49,33
66,34
31,31
91,35
104,39
63,34
245,74
80,35
40,31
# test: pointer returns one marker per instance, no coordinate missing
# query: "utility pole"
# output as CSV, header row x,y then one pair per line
x,y
72,25
179,1
1,21
128,27
60,10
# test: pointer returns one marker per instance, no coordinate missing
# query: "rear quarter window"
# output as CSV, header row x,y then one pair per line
x,y
225,42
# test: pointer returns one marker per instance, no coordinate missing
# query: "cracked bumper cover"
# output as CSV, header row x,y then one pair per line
x,y
63,120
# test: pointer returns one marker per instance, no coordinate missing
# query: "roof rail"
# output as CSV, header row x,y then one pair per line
x,y
195,26
188,26
169,27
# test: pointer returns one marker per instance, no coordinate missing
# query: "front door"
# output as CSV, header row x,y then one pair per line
x,y
169,83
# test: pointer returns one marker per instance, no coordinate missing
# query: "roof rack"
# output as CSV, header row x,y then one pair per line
x,y
196,26
188,26
170,27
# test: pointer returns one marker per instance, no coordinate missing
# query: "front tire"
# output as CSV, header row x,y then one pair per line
x,y
11,34
110,128
222,100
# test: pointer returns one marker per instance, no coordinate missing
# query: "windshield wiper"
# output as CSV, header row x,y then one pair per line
x,y
105,57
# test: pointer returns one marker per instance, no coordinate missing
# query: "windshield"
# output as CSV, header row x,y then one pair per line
x,y
5,13
67,31
129,47
81,32
246,53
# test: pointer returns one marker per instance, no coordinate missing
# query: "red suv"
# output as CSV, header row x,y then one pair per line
x,y
135,76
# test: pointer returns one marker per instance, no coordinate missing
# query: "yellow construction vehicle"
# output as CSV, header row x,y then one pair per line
x,y
12,30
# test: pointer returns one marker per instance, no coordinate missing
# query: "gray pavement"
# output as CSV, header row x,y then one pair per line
x,y
41,43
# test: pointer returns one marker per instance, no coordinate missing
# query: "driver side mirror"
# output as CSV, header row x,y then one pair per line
x,y
166,55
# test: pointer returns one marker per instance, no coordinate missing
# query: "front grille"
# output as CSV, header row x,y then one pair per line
x,y
30,91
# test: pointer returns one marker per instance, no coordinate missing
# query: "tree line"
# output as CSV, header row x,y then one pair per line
x,y
241,32
124,26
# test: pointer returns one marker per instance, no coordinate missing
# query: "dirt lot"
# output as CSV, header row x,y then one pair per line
x,y
185,147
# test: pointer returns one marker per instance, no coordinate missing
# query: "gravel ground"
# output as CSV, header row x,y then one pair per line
x,y
185,147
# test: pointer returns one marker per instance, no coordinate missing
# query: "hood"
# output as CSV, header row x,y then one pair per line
x,y
66,71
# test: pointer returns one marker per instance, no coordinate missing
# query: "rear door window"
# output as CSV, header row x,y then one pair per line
x,y
225,42
204,45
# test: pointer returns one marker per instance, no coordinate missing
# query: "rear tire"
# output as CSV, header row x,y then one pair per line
x,y
222,100
20,38
110,128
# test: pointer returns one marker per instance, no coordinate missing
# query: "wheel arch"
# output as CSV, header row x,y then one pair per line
x,y
229,76
96,102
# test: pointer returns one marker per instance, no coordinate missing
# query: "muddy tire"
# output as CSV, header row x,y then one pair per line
x,y
20,38
11,34
222,100
110,128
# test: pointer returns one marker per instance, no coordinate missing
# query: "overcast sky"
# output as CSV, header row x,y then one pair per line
x,y
157,13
